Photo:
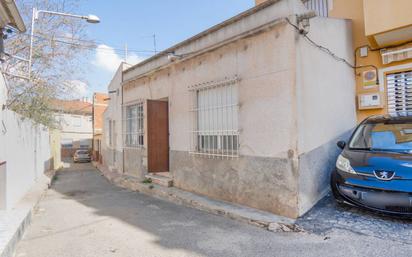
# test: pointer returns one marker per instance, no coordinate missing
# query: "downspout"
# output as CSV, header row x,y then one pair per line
x,y
121,122
93,122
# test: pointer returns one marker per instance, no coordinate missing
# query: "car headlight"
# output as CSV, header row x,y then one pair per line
x,y
343,164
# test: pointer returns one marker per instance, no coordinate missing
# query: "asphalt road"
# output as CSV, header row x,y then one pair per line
x,y
83,215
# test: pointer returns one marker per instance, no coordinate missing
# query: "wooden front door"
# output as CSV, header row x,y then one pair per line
x,y
158,136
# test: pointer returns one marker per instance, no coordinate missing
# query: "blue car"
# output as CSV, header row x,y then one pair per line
x,y
374,170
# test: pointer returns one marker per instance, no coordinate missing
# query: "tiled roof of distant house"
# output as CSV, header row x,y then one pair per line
x,y
72,106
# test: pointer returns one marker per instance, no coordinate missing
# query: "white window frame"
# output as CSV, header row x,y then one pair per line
x,y
215,119
133,139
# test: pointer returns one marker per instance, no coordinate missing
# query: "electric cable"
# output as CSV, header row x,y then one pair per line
x,y
330,52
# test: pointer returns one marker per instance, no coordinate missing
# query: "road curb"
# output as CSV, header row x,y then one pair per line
x,y
240,213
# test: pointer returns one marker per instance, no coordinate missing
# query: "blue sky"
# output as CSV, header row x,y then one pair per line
x,y
133,22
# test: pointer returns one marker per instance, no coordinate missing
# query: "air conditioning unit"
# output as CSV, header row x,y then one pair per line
x,y
389,56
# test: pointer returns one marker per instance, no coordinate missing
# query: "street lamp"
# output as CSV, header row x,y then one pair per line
x,y
35,16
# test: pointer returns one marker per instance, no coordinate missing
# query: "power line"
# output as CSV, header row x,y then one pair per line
x,y
100,42
92,46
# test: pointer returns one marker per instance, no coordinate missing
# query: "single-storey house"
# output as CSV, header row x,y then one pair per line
x,y
248,111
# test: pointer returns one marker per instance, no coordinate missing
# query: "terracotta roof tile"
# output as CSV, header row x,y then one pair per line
x,y
72,106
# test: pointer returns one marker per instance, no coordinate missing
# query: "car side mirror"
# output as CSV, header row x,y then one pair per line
x,y
341,144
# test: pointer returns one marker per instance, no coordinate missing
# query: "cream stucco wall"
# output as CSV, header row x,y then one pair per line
x,y
325,103
114,109
266,89
325,86
113,154
267,129
266,85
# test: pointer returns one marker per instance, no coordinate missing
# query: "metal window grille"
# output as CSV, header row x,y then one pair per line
x,y
133,124
321,7
400,93
214,112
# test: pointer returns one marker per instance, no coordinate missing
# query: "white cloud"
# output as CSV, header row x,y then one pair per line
x,y
76,89
107,58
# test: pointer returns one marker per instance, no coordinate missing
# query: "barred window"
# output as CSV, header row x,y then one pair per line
x,y
134,125
215,119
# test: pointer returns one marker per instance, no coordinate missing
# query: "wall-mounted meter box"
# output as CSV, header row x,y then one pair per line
x,y
370,101
369,78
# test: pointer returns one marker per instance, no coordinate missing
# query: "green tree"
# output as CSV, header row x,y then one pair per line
x,y
60,51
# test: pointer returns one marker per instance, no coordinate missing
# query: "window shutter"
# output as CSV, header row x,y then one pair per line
x,y
400,93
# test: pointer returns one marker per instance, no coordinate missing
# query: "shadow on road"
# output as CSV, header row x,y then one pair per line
x,y
179,229
173,226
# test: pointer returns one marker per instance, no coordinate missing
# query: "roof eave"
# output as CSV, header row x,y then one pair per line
x,y
12,15
205,33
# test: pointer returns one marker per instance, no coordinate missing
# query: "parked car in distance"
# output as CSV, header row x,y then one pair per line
x,y
374,170
81,156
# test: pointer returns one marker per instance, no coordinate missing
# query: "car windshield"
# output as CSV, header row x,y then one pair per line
x,y
394,137
82,152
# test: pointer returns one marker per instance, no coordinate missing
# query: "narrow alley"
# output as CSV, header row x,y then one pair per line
x,y
84,215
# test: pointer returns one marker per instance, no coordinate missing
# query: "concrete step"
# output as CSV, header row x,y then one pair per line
x,y
160,180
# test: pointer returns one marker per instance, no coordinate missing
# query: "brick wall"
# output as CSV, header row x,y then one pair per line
x,y
100,101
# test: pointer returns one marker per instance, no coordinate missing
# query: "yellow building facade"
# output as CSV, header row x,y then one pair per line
x,y
382,43
382,32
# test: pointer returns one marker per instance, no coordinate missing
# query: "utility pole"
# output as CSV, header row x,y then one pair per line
x,y
154,44
125,53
